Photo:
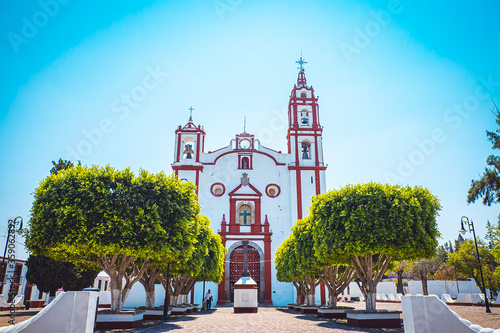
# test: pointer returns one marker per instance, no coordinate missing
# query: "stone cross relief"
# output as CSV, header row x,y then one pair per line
x,y
245,258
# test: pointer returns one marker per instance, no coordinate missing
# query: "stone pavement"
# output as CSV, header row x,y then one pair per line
x,y
268,319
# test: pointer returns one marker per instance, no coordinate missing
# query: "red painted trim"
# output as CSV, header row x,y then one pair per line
x,y
232,211
299,195
198,147
276,194
178,147
297,150
212,190
241,156
187,167
257,212
211,152
318,183
197,181
239,151
316,157
268,300
257,193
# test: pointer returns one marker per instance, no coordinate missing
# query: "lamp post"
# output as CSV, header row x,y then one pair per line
x,y
11,230
470,226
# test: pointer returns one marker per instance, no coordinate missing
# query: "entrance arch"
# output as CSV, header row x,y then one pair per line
x,y
235,267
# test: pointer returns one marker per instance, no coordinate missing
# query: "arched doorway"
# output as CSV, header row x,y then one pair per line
x,y
237,265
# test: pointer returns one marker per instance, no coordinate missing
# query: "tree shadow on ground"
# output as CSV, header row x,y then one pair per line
x,y
339,323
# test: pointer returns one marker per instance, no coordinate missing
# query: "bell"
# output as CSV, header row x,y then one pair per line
x,y
304,121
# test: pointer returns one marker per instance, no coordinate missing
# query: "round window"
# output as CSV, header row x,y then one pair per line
x,y
273,190
217,189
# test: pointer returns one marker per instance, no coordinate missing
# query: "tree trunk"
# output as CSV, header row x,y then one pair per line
x,y
336,283
370,274
423,278
332,300
150,299
399,287
371,301
148,281
298,290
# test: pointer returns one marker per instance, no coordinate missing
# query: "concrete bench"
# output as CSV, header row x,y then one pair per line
x,y
72,311
431,315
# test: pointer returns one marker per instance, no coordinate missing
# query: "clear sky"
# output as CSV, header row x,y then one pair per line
x,y
405,87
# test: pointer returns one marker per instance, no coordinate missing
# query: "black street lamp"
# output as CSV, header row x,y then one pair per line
x,y
470,226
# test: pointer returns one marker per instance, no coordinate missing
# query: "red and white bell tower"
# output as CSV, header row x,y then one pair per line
x,y
305,144
189,144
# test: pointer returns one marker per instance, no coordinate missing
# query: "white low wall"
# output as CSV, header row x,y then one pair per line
x,y
137,296
437,287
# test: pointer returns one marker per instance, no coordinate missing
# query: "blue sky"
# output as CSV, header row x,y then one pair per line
x,y
404,87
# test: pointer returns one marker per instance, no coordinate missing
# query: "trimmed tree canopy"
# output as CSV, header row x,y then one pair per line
x,y
375,219
369,225
80,213
112,219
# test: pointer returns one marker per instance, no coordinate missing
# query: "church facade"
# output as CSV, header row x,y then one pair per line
x,y
251,192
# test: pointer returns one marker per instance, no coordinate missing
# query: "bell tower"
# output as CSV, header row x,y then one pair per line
x,y
305,144
189,144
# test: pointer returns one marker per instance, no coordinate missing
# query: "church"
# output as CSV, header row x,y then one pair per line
x,y
251,192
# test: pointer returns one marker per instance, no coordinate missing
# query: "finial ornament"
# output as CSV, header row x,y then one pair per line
x,y
191,113
301,63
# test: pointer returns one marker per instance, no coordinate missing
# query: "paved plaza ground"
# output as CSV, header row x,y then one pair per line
x,y
272,319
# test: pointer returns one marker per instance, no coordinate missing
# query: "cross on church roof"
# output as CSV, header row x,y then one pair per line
x,y
301,62
191,113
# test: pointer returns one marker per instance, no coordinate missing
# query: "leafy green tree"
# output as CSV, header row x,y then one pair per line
x,y
422,269
49,275
465,262
335,277
488,186
371,224
206,263
100,217
61,165
286,266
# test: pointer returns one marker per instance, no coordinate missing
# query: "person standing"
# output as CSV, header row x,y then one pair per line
x,y
208,298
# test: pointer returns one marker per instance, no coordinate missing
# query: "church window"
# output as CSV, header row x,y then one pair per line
x,y
245,164
217,189
245,215
273,190
306,150
188,148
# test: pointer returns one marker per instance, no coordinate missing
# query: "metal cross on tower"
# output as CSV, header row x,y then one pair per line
x,y
301,62
191,113
245,259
